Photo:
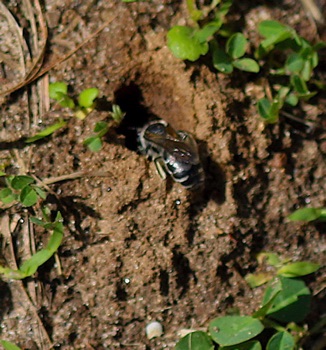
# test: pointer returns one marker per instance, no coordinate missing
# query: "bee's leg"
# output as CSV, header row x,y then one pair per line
x,y
159,164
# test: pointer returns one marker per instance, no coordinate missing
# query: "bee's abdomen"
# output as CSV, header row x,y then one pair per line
x,y
190,178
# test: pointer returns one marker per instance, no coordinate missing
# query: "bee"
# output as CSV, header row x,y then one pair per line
x,y
174,153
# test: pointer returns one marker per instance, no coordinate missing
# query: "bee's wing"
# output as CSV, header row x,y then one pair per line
x,y
174,145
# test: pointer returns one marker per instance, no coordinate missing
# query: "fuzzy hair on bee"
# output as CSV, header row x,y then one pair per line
x,y
174,152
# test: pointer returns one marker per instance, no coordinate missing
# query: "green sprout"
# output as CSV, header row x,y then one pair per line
x,y
308,214
189,43
283,51
94,143
184,43
281,267
59,92
300,59
86,99
86,103
117,114
30,266
47,131
285,303
232,57
22,189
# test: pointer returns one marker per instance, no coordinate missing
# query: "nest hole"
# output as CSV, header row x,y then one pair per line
x,y
130,99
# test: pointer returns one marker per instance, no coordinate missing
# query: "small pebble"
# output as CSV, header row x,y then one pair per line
x,y
154,329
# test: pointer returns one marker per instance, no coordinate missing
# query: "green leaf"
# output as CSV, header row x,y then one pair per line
x,y
269,43
258,279
307,70
7,196
37,221
11,274
87,97
101,128
268,111
7,345
308,214
20,181
275,33
264,106
223,10
292,304
300,268
231,330
117,113
271,258
319,46
207,31
66,101
46,132
94,143
276,288
299,85
195,341
30,266
294,63
247,65
250,345
292,99
28,197
281,341
184,44
221,60
271,28
236,45
40,192
57,89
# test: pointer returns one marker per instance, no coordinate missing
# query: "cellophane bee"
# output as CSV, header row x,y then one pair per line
x,y
174,153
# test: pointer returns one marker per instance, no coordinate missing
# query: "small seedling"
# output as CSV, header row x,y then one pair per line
x,y
291,56
30,266
47,131
286,301
86,102
117,114
86,99
308,214
94,143
189,43
58,91
21,189
232,57
282,51
281,267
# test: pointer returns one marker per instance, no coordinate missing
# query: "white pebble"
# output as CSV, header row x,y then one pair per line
x,y
154,329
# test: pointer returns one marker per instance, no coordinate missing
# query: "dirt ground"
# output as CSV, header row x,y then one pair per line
x,y
138,248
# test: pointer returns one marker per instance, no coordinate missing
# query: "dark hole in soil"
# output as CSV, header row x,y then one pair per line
x,y
121,292
164,282
184,272
130,99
